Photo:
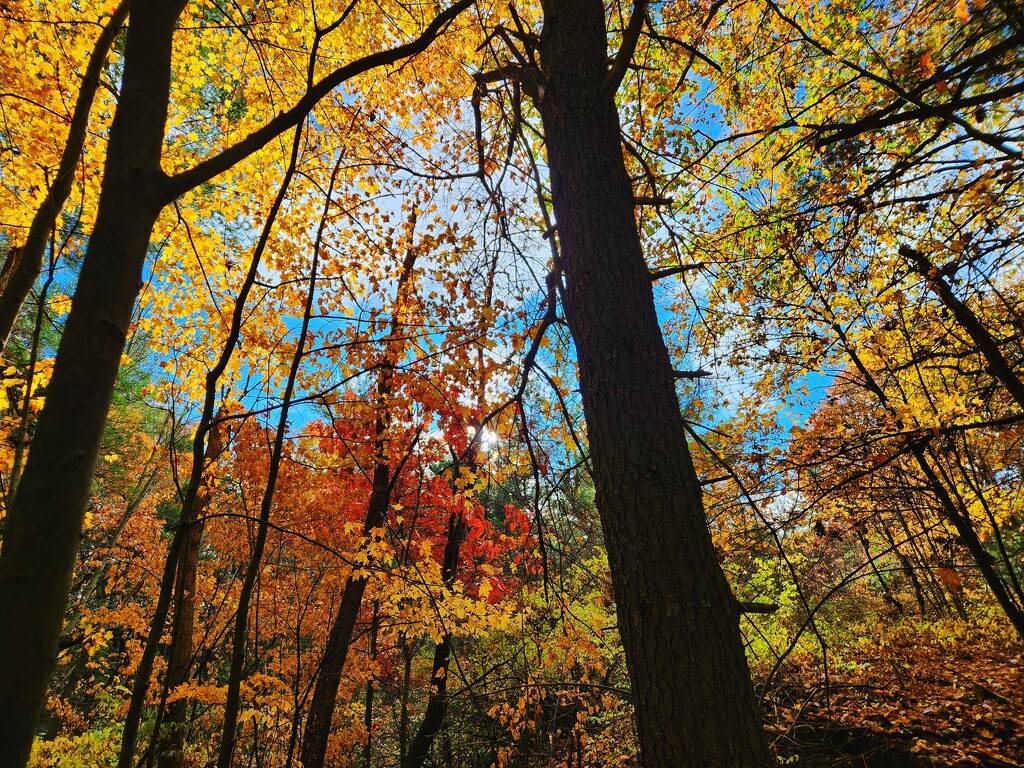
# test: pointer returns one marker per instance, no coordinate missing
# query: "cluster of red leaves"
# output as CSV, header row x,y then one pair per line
x,y
911,696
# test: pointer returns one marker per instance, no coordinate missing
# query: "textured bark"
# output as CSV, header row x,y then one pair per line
x,y
44,522
679,622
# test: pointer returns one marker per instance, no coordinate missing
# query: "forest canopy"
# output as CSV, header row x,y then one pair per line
x,y
509,384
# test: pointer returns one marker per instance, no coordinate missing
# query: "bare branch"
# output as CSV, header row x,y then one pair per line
x,y
680,269
746,607
700,373
630,37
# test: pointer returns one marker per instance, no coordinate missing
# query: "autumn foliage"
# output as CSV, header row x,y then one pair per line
x,y
341,503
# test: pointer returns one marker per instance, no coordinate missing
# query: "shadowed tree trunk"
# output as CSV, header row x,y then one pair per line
x,y
325,694
679,621
171,740
437,705
43,529
172,734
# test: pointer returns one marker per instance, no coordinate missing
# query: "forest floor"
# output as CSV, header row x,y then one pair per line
x,y
912,694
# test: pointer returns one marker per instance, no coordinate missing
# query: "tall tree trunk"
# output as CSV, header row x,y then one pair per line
x,y
171,739
695,705
43,529
325,694
437,705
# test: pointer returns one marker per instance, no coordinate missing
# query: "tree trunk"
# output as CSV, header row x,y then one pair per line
x,y
43,529
325,694
172,734
679,621
437,705
171,740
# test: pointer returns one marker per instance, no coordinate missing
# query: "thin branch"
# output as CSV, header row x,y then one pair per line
x,y
679,269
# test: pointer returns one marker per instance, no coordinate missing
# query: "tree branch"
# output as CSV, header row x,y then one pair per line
x,y
680,269
630,37
746,607
700,373
206,170
998,366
